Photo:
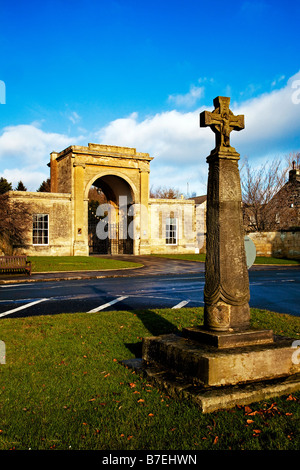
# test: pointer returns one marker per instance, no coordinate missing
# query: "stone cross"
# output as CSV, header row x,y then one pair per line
x,y
222,121
226,291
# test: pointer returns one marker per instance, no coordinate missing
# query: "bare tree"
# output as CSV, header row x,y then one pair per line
x,y
291,158
259,186
165,193
14,222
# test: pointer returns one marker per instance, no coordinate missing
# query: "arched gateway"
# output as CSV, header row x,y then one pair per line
x,y
110,222
122,175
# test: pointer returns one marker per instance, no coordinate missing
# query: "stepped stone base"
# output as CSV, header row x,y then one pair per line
x,y
228,339
244,367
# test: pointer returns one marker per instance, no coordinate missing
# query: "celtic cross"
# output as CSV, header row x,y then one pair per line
x,y
222,121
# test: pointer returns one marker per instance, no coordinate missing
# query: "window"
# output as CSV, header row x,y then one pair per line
x,y
171,231
40,229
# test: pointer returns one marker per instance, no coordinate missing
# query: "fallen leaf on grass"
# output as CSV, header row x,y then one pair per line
x,y
290,397
254,413
249,421
216,440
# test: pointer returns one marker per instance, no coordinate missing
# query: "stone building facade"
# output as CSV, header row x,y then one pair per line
x,y
284,207
128,222
283,217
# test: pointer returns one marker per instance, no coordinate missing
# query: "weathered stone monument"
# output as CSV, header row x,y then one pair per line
x,y
223,362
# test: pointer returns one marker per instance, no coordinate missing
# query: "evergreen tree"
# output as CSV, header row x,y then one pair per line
x,y
4,185
45,186
21,187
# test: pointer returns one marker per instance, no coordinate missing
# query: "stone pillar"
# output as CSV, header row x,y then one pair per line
x,y
226,292
80,225
144,213
53,173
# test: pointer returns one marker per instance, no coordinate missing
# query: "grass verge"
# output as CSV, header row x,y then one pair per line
x,y
77,263
62,387
259,259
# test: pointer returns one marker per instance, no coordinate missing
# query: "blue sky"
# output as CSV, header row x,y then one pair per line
x,y
137,73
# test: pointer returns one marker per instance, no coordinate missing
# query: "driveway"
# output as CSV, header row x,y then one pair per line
x,y
152,266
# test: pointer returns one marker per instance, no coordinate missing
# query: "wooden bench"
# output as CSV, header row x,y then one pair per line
x,y
15,264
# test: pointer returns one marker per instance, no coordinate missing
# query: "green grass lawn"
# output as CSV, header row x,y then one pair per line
x,y
259,259
85,263
77,263
63,387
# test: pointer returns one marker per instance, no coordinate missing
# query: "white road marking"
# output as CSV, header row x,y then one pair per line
x,y
13,285
22,307
108,304
181,304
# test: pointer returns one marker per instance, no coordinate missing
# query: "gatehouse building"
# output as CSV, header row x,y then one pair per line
x,y
123,219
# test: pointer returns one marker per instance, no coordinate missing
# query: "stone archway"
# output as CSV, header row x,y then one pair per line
x,y
110,199
76,168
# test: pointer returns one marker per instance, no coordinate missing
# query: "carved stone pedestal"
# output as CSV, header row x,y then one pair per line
x,y
248,366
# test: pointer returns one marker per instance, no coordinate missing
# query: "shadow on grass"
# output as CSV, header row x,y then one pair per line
x,y
155,324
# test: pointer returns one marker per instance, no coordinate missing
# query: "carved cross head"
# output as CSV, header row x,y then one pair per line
x,y
222,121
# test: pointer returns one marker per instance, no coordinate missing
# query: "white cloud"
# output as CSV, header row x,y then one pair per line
x,y
189,99
272,121
74,117
277,80
174,138
31,179
25,151
180,147
30,144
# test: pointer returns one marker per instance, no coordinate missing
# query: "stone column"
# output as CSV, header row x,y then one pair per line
x,y
80,224
226,291
53,172
144,213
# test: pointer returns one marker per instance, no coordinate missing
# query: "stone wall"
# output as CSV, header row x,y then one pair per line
x,y
58,207
284,244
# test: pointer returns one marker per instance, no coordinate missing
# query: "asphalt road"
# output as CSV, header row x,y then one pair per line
x,y
275,289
